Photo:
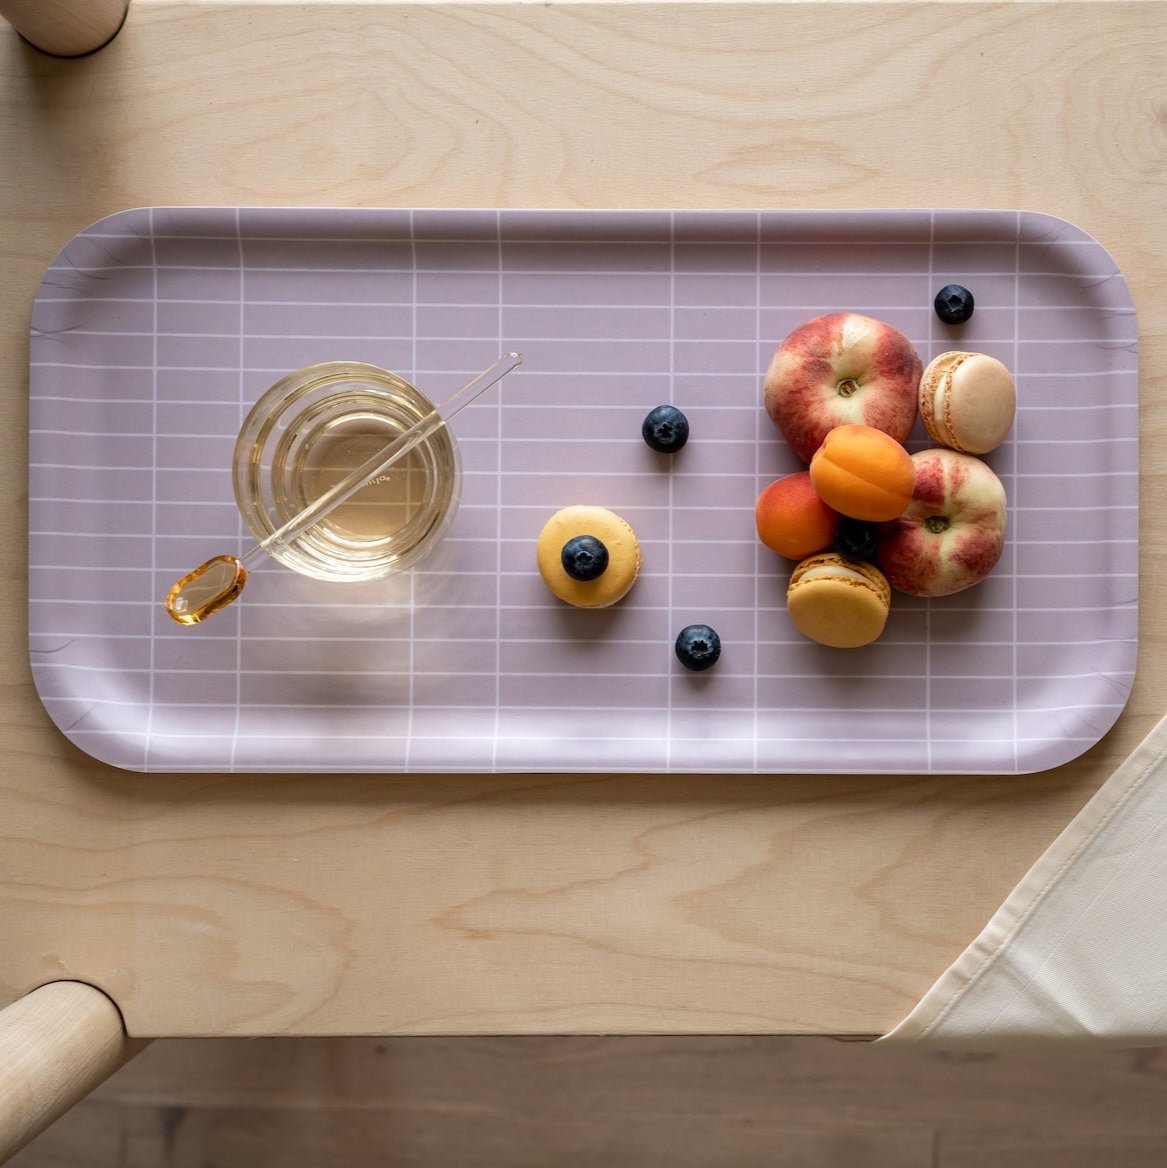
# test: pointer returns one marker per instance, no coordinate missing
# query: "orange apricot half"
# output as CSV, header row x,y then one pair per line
x,y
863,473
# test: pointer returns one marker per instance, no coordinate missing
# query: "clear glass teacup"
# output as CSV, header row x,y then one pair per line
x,y
310,430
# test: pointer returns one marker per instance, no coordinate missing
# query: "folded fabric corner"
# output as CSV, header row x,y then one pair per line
x,y
1078,951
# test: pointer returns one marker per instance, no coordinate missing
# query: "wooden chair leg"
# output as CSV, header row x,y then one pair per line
x,y
56,1045
66,28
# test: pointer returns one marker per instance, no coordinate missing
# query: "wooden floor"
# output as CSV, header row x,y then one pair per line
x,y
574,1102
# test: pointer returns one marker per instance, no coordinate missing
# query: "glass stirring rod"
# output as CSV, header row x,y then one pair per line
x,y
214,585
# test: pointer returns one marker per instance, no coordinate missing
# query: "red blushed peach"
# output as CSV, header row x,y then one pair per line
x,y
839,369
791,518
952,533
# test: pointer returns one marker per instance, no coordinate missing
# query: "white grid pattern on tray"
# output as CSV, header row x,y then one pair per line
x,y
442,670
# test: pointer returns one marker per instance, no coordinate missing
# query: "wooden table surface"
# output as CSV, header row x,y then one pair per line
x,y
220,905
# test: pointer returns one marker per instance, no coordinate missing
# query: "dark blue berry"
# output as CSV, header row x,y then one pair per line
x,y
584,558
856,539
698,647
665,429
954,304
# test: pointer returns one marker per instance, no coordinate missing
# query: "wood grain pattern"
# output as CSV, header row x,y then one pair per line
x,y
329,905
636,1102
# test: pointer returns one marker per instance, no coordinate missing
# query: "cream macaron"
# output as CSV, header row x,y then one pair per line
x,y
612,568
967,401
837,602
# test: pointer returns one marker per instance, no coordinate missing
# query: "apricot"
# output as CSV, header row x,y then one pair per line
x,y
863,473
791,518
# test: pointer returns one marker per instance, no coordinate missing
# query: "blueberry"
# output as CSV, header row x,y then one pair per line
x,y
856,539
584,558
665,429
698,647
954,304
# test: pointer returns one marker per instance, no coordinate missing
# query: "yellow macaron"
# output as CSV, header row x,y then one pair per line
x,y
620,546
838,602
967,401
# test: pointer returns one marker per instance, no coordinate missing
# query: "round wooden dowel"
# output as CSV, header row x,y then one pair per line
x,y
66,28
56,1045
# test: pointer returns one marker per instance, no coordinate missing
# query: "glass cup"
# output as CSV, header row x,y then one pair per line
x,y
311,429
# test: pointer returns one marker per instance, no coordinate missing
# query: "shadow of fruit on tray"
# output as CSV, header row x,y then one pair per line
x,y
592,626
986,613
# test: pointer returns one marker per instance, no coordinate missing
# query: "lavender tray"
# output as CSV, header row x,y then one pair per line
x,y
154,330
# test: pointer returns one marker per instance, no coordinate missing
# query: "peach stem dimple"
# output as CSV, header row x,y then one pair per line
x,y
847,387
937,524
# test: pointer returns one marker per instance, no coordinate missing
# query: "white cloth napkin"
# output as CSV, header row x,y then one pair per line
x,y
1078,951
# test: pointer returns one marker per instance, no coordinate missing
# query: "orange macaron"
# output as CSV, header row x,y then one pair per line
x,y
613,538
838,602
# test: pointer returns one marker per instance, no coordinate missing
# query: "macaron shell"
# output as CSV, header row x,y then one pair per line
x,y
968,401
933,389
840,603
832,563
615,533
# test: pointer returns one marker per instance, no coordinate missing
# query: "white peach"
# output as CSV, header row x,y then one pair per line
x,y
952,533
839,369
